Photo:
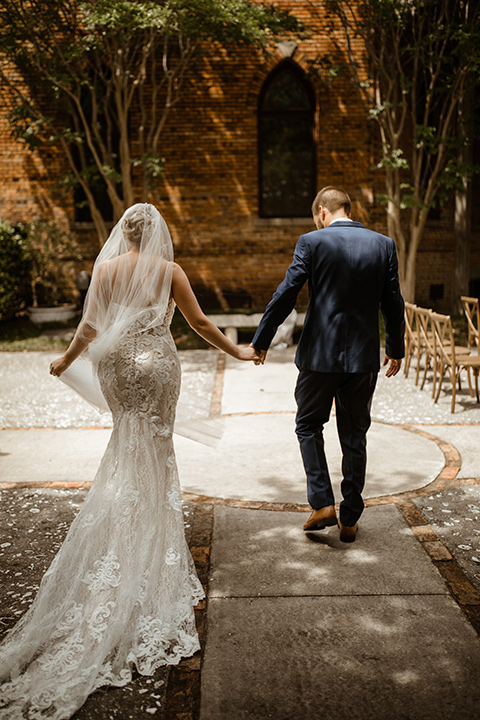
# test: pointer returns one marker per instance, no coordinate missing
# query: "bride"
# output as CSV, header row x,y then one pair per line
x,y
122,588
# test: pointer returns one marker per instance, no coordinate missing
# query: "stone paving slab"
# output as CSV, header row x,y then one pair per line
x,y
408,657
47,455
248,388
397,400
466,439
257,459
263,554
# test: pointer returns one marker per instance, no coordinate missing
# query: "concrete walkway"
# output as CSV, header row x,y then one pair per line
x,y
296,626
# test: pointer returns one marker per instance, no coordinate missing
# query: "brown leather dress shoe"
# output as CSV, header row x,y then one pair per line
x,y
347,532
320,519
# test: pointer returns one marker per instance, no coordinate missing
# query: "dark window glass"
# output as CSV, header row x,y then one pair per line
x,y
286,144
437,291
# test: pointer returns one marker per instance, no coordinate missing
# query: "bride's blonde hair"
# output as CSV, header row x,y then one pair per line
x,y
137,225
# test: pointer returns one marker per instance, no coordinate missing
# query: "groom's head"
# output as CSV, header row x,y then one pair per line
x,y
330,203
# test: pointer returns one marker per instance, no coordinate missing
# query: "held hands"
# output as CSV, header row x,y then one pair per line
x,y
393,367
260,356
249,353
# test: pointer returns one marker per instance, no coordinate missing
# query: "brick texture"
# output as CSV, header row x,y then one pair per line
x,y
209,190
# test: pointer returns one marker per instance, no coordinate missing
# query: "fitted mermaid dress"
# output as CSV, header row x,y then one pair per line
x,y
121,591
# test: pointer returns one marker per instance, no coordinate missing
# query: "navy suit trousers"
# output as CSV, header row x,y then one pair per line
x,y
314,394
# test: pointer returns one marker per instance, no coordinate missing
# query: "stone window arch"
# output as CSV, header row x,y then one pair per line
x,y
286,143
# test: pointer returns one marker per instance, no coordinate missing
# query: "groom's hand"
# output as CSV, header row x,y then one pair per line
x,y
261,355
393,366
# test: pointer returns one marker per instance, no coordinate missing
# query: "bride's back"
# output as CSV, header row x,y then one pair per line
x,y
135,279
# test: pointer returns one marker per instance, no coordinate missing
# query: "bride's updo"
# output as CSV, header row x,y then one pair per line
x,y
137,225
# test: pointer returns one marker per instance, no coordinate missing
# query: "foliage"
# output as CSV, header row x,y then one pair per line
x,y
13,271
21,335
421,62
51,253
99,79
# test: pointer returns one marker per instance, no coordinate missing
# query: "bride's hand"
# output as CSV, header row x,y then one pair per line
x,y
247,353
58,366
260,356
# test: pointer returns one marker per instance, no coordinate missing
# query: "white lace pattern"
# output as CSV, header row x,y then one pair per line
x,y
122,588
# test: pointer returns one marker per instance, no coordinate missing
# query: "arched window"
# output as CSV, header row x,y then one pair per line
x,y
286,143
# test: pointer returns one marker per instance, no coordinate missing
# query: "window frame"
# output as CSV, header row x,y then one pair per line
x,y
294,69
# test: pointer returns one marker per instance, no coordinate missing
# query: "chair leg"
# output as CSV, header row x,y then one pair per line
x,y
408,361
419,355
454,388
441,373
427,365
469,382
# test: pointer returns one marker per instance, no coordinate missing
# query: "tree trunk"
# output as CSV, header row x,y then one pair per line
x,y
463,206
408,285
462,232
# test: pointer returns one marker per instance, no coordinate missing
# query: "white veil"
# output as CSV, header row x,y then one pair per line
x,y
125,284
131,280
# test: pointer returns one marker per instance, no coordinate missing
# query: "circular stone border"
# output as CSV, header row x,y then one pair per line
x,y
446,477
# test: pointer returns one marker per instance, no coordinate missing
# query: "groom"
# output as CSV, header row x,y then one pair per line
x,y
351,273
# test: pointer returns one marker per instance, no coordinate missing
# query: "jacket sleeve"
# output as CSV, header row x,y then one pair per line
x,y
285,296
393,309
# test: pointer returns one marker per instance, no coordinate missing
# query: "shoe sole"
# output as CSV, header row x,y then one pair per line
x,y
321,524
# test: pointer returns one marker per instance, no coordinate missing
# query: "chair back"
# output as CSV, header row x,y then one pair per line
x,y
472,313
425,329
444,340
410,324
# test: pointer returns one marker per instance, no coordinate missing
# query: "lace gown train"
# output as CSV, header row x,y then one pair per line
x,y
121,590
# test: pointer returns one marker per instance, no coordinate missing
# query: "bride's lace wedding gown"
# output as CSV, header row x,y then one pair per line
x,y
121,590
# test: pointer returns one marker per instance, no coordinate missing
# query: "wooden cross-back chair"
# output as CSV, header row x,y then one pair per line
x,y
411,336
448,360
427,342
416,343
472,313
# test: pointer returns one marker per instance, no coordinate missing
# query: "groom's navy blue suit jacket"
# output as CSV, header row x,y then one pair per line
x,y
351,272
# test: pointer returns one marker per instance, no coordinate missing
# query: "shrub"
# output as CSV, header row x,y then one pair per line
x,y
14,277
52,253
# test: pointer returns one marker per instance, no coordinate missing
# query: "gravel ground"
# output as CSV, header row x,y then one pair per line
x,y
454,515
398,400
31,397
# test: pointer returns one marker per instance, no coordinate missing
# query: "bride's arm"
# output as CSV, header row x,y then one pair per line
x,y
188,305
85,332
79,343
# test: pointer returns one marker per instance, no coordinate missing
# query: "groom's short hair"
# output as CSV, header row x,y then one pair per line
x,y
333,198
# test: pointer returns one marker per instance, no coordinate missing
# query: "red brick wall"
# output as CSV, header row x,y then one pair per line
x,y
209,190
30,183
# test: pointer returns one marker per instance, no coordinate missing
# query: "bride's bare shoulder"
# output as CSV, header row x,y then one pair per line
x,y
178,271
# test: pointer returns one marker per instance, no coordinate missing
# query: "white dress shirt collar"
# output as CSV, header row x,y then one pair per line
x,y
342,219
